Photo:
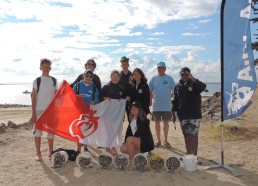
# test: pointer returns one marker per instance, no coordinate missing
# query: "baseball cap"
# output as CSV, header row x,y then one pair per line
x,y
136,104
161,64
185,70
124,58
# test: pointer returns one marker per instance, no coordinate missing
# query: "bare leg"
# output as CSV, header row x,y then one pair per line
x,y
37,145
194,144
79,147
165,130
188,144
50,146
133,147
157,127
123,148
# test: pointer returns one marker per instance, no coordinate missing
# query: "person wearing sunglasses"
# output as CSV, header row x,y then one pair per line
x,y
90,94
90,65
187,105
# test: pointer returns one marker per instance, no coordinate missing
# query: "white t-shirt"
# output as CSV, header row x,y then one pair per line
x,y
133,126
46,92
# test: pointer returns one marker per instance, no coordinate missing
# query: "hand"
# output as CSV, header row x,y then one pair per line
x,y
190,77
127,98
107,98
33,118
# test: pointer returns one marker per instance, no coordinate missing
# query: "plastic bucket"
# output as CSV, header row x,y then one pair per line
x,y
172,164
121,161
105,160
59,158
83,159
190,162
140,162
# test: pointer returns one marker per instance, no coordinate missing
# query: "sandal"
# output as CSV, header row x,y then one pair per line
x,y
158,144
167,145
199,162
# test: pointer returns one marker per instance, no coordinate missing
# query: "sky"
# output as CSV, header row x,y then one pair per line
x,y
69,32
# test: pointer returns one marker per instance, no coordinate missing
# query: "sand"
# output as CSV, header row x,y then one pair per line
x,y
18,165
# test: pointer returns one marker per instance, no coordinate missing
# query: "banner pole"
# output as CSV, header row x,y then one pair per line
x,y
221,163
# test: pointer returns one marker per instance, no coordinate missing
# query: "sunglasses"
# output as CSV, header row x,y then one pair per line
x,y
89,76
90,64
185,74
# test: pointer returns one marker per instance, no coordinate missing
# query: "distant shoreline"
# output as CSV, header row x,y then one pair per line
x,y
13,105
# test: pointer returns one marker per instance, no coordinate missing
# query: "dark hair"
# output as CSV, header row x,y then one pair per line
x,y
143,78
184,69
141,114
45,61
93,62
114,72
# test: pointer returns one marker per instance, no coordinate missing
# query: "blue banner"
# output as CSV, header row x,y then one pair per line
x,y
238,76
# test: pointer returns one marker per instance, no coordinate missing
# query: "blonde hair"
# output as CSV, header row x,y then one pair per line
x,y
45,61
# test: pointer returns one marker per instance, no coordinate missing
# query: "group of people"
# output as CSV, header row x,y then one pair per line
x,y
168,99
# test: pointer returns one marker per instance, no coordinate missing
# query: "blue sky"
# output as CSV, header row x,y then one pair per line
x,y
181,33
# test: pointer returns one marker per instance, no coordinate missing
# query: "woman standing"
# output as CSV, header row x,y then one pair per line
x,y
140,90
138,137
114,90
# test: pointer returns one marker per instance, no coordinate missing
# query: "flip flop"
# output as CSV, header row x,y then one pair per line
x,y
158,144
167,145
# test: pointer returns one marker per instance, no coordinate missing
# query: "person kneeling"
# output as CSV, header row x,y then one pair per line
x,y
138,137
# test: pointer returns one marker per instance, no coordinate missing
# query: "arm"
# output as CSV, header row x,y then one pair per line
x,y
147,143
96,96
78,79
34,102
146,99
174,105
198,85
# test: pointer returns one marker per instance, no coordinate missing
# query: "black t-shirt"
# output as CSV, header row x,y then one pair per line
x,y
114,91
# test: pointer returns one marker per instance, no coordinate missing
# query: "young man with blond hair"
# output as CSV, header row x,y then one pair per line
x,y
44,90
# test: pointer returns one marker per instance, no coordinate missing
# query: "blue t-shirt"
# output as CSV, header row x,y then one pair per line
x,y
86,91
162,87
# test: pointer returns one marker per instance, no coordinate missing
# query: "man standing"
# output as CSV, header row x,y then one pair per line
x,y
161,86
125,78
187,103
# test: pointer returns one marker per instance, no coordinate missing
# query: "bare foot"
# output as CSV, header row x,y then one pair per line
x,y
38,157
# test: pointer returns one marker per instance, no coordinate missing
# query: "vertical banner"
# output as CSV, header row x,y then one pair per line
x,y
238,78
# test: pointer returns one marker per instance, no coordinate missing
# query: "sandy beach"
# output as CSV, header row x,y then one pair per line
x,y
18,165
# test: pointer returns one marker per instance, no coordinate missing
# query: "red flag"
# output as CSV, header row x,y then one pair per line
x,y
69,117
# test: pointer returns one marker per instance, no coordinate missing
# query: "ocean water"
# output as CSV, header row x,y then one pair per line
x,y
13,93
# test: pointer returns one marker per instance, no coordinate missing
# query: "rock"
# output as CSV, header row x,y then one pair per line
x,y
2,125
11,124
2,130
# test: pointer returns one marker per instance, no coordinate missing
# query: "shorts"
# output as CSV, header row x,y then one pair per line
x,y
161,115
190,126
39,133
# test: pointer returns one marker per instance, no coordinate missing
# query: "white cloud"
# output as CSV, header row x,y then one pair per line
x,y
71,31
189,34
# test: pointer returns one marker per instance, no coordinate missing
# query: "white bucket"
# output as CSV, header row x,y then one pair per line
x,y
83,159
190,162
58,159
172,164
